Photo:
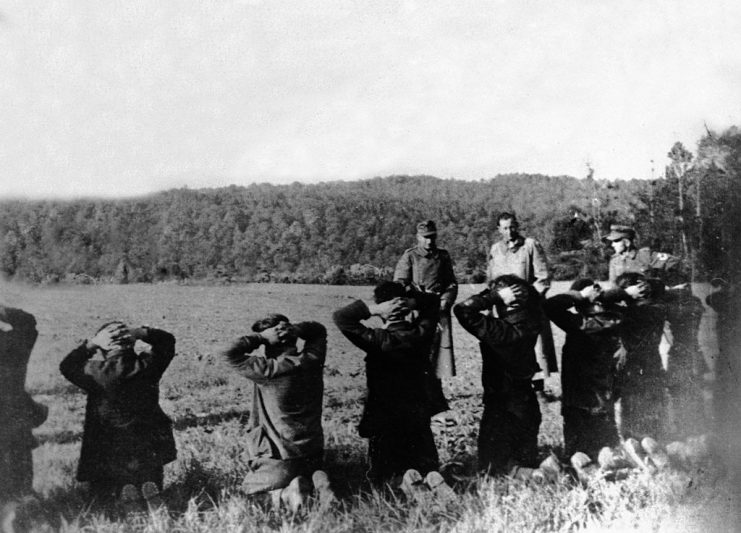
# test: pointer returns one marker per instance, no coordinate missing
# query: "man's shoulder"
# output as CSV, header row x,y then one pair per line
x,y
16,316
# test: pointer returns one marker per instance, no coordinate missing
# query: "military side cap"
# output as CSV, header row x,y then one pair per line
x,y
427,228
618,231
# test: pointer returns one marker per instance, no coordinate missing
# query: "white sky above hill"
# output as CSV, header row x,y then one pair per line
x,y
119,98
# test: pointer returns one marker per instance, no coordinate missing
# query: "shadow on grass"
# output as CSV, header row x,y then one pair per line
x,y
182,423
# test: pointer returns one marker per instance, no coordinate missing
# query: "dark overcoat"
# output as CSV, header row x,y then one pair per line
x,y
125,428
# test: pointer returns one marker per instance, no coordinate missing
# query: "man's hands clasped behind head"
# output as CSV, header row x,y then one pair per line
x,y
281,333
394,308
111,336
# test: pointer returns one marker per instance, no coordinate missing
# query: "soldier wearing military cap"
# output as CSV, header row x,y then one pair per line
x,y
428,268
629,258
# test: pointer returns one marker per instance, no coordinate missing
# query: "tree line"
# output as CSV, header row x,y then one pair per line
x,y
354,232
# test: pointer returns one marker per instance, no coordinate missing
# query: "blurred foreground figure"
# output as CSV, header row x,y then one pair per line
x,y
427,268
285,446
726,301
685,363
127,437
588,366
641,379
18,412
396,417
508,436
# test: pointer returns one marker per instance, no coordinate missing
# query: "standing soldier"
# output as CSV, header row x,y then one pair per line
x,y
629,258
524,257
18,412
428,268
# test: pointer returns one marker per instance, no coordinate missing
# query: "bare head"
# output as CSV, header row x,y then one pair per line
x,y
508,227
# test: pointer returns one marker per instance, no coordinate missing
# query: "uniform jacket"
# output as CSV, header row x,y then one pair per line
x,y
507,345
641,261
19,413
430,272
588,363
526,260
124,423
286,416
396,363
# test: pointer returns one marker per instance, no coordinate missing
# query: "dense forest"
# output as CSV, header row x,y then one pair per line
x,y
353,232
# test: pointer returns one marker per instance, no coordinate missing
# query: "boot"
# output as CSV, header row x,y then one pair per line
x,y
294,495
435,482
323,489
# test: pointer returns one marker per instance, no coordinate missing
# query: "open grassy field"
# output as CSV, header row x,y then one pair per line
x,y
209,404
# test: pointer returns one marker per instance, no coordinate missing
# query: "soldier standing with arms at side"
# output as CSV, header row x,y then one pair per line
x,y
524,257
428,268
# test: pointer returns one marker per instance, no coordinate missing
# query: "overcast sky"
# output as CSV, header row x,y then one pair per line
x,y
120,98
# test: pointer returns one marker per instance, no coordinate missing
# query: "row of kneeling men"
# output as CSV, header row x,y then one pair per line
x,y
611,351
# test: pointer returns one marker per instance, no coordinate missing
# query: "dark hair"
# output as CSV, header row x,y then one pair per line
x,y
507,216
506,280
580,284
269,321
626,279
388,290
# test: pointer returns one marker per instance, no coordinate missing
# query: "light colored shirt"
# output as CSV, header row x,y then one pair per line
x,y
524,258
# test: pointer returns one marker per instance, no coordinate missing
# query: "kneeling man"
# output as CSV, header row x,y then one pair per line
x,y
286,442
508,436
127,437
396,417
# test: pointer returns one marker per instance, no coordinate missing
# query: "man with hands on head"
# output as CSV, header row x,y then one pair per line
x,y
127,437
396,417
641,379
509,426
588,367
285,446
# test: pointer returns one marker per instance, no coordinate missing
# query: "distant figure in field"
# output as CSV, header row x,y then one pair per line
x,y
127,437
427,268
525,258
396,417
508,436
19,413
285,446
642,379
588,367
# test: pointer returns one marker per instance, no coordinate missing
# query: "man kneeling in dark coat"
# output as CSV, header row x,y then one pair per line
x,y
396,417
508,436
127,437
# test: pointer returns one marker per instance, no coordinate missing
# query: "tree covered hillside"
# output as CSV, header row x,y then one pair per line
x,y
355,231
